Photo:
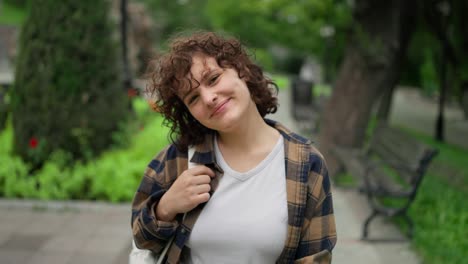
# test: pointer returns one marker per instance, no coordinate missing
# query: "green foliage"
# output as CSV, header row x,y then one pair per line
x,y
264,59
113,176
173,16
17,3
281,80
11,14
67,93
321,89
295,25
428,75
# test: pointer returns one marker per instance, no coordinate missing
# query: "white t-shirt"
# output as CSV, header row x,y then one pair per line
x,y
246,219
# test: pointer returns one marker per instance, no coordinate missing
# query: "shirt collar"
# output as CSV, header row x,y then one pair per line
x,y
204,152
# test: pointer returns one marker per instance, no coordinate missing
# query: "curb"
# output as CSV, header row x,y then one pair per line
x,y
53,205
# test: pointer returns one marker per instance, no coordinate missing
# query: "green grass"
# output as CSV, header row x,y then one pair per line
x,y
440,215
440,210
11,15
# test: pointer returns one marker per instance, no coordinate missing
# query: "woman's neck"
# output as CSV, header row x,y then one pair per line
x,y
253,133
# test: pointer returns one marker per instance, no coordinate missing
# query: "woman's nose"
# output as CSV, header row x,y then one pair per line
x,y
209,97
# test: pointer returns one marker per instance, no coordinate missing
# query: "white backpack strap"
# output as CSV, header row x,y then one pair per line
x,y
191,151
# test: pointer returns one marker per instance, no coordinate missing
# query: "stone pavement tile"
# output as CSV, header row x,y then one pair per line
x,y
101,258
354,252
122,258
42,257
4,237
82,224
45,223
400,253
31,242
12,220
117,224
118,231
62,244
110,245
12,256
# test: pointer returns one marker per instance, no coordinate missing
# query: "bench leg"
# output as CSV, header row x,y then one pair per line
x,y
365,230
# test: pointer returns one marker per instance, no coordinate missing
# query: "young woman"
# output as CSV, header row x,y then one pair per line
x,y
259,194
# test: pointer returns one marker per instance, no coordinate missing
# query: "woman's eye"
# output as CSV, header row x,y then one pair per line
x,y
192,99
213,79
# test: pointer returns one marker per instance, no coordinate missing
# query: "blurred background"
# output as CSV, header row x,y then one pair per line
x,y
77,125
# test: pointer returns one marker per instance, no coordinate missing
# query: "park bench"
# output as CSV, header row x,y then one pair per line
x,y
389,171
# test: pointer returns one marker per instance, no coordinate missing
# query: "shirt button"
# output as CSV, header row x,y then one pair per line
x,y
183,231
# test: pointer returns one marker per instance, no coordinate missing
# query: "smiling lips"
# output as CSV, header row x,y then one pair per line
x,y
219,108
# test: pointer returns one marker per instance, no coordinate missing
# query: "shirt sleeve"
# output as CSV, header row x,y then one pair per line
x,y
318,236
149,232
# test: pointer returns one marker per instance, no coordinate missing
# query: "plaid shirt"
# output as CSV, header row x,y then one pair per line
x,y
311,232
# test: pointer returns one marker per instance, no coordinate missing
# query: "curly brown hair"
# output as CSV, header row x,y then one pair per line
x,y
170,73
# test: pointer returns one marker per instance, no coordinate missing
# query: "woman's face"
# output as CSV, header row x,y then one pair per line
x,y
221,100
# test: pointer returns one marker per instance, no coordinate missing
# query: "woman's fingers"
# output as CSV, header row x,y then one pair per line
x,y
202,198
200,179
202,188
189,190
201,170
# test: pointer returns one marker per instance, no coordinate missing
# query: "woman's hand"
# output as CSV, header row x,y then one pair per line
x,y
190,189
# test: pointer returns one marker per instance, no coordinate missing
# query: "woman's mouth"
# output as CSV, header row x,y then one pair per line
x,y
220,108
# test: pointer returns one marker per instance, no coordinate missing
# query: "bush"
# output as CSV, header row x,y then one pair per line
x,y
17,3
113,176
67,94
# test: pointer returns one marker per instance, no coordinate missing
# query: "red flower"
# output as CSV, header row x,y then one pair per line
x,y
132,92
33,142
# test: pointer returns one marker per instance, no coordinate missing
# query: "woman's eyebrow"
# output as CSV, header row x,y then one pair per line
x,y
205,74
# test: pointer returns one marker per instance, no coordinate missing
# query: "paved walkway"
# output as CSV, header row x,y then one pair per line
x,y
86,232
35,232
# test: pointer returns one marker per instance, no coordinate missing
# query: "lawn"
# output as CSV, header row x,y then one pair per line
x,y
440,210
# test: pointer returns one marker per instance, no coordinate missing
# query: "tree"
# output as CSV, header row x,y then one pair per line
x,y
68,92
174,16
371,66
296,25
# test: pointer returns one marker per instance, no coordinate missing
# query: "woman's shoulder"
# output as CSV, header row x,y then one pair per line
x,y
165,164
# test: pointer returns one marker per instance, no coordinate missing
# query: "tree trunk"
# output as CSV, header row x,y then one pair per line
x,y
385,104
123,34
371,65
